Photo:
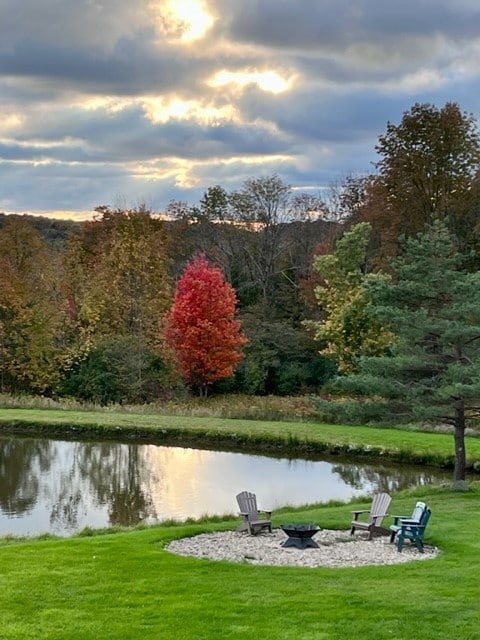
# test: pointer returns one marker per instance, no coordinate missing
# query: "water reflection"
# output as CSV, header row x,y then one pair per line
x,y
22,462
388,478
61,487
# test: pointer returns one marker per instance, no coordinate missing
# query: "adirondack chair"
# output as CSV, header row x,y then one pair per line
x,y
376,513
417,512
247,503
413,530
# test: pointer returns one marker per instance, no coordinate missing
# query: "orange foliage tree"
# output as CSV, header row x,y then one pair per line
x,y
201,327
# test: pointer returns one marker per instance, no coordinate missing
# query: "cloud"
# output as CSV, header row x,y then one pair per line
x,y
159,99
333,26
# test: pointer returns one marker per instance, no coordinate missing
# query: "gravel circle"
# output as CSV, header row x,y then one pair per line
x,y
336,549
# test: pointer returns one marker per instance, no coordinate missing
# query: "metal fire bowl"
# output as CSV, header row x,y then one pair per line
x,y
299,535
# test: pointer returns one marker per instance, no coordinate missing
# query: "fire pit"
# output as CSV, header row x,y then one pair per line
x,y
299,535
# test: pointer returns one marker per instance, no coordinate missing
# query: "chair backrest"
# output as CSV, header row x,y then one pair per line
x,y
425,517
379,508
247,503
418,511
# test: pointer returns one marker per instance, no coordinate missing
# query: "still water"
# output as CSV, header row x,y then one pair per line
x,y
61,487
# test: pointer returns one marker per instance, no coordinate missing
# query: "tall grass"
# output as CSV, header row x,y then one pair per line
x,y
224,406
234,407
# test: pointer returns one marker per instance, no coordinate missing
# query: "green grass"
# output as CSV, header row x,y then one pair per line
x,y
126,586
296,437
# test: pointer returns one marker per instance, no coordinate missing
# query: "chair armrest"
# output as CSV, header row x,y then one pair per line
x,y
356,514
246,514
409,522
396,518
412,525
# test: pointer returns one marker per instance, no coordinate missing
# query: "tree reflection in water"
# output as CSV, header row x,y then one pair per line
x,y
389,479
113,475
22,461
130,504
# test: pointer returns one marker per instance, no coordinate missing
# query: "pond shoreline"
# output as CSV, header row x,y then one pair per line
x,y
260,443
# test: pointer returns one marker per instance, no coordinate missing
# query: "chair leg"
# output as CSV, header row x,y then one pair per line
x,y
243,526
399,543
418,543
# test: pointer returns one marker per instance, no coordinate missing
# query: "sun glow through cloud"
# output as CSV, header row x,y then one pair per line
x,y
188,173
160,110
189,17
9,121
270,81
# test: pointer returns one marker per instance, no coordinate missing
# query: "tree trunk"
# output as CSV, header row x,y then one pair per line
x,y
459,483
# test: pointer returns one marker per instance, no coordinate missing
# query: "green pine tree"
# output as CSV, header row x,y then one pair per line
x,y
432,373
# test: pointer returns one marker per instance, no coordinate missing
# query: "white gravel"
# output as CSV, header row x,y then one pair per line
x,y
336,549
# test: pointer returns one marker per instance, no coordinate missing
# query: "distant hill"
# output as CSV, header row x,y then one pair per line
x,y
55,232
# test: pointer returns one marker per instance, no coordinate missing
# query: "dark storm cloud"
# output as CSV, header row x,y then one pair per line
x,y
127,70
336,24
75,187
129,136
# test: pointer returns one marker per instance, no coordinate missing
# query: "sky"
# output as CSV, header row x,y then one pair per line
x,y
130,102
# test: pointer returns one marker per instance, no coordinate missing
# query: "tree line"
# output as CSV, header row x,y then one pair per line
x,y
83,314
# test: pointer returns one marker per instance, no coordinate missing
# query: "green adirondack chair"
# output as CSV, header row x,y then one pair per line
x,y
412,530
415,516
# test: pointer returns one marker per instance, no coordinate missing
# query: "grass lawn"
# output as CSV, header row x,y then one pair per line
x,y
125,586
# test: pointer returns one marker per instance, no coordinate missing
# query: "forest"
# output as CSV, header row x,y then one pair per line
x,y
255,291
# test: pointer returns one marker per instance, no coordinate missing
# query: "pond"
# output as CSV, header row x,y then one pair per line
x,y
61,487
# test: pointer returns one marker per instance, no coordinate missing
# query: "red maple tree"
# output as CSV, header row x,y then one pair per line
x,y
201,327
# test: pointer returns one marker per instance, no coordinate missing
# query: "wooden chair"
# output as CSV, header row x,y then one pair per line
x,y
413,530
376,513
247,503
